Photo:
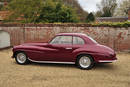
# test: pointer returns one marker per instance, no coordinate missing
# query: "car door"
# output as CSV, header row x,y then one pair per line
x,y
78,43
61,49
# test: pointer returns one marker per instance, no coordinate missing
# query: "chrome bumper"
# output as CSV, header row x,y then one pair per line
x,y
107,61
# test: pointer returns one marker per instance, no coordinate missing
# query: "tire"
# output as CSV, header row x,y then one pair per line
x,y
21,58
85,62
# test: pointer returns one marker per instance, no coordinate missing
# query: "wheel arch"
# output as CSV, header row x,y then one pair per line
x,y
18,51
84,53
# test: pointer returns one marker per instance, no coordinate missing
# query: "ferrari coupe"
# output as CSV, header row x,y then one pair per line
x,y
67,48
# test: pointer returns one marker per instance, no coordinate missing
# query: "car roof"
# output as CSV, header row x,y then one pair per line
x,y
73,34
84,36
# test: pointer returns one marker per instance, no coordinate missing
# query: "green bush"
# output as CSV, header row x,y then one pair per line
x,y
41,11
54,12
111,24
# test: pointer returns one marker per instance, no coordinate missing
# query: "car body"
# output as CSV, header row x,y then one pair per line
x,y
65,48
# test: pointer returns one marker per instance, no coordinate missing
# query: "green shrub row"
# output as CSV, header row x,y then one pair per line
x,y
111,24
94,24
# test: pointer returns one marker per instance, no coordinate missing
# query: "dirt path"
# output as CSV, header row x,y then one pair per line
x,y
57,75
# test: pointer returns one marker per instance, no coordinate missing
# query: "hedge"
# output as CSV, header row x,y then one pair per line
x,y
111,24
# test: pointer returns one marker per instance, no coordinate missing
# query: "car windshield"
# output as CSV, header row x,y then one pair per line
x,y
92,39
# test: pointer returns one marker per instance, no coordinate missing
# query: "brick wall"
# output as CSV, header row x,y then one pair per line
x,y
129,15
116,38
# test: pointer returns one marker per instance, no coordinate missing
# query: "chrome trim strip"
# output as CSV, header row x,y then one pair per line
x,y
51,62
105,61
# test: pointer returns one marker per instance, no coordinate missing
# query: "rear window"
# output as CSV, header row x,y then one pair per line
x,y
78,41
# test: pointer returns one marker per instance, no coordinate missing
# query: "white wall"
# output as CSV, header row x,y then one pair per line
x,y
4,39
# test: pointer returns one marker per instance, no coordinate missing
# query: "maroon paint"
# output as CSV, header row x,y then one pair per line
x,y
59,53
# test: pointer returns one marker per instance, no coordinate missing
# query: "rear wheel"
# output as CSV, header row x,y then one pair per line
x,y
21,58
85,62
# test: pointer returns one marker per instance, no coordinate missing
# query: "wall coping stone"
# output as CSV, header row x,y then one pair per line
x,y
55,25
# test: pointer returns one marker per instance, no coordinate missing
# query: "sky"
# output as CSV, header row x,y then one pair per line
x,y
90,5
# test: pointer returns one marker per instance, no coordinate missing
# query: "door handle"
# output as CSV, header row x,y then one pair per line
x,y
68,48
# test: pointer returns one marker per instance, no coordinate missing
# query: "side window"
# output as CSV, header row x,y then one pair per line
x,y
78,41
62,40
55,40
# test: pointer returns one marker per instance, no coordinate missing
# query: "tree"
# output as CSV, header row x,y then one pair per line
x,y
5,0
1,6
27,10
123,8
53,11
98,14
2,3
90,18
107,7
79,10
47,11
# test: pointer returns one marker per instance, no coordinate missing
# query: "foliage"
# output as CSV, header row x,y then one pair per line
x,y
1,6
98,14
111,24
123,8
107,8
27,10
79,10
46,11
5,0
90,18
56,12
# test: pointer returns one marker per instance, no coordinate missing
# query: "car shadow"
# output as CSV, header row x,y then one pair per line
x,y
108,66
53,65
97,66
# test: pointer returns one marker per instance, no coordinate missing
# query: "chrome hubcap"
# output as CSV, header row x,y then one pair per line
x,y
84,61
21,58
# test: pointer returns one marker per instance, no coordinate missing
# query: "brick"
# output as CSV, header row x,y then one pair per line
x,y
116,38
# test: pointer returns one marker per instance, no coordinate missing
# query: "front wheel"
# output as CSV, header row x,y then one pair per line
x,y
85,62
21,58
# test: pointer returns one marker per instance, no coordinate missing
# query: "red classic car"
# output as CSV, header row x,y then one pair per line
x,y
68,48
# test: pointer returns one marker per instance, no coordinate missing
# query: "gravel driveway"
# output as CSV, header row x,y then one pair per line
x,y
58,75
